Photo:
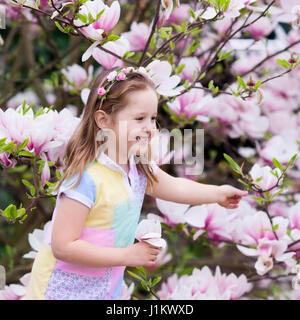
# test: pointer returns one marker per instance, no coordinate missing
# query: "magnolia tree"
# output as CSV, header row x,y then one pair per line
x,y
229,68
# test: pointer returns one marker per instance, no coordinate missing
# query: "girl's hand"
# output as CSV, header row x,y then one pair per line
x,y
141,254
229,197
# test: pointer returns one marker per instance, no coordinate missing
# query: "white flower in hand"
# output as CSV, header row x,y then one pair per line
x,y
150,231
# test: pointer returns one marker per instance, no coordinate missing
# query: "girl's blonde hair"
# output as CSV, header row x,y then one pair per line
x,y
83,146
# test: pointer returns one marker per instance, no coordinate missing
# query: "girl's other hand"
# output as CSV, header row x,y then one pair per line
x,y
141,254
229,197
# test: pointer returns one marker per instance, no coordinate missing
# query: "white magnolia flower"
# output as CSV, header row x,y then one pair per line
x,y
150,231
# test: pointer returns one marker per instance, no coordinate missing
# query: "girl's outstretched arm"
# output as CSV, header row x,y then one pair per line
x,y
67,245
187,191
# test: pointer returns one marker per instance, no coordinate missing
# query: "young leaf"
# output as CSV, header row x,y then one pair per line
x,y
277,164
241,82
135,276
233,163
283,63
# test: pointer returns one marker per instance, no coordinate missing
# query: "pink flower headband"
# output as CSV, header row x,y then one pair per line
x,y
119,75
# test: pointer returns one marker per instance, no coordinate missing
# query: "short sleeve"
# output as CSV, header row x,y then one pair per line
x,y
84,192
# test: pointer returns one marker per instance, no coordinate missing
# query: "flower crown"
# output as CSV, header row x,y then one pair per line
x,y
116,76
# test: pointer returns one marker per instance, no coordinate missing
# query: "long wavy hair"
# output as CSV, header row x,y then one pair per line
x,y
82,148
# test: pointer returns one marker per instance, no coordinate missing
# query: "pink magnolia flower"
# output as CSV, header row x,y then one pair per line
x,y
263,177
203,285
251,122
16,291
48,133
168,5
126,291
246,59
160,72
278,209
150,231
137,36
263,265
108,61
105,23
168,287
235,6
28,95
294,216
172,211
222,109
211,218
36,239
179,14
251,228
283,148
6,161
261,28
192,65
77,76
236,286
190,104
282,121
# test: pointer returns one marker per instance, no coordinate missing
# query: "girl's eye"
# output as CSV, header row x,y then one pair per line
x,y
141,118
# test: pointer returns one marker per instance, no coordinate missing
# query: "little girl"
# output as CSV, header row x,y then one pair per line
x,y
101,192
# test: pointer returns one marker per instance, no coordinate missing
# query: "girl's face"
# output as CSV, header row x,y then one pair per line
x,y
135,124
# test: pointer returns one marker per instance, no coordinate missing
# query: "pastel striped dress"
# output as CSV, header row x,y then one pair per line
x,y
115,206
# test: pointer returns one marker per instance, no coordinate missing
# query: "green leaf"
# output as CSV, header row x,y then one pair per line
x,y
23,145
233,163
283,63
25,153
277,164
276,227
10,212
180,68
156,281
27,183
144,285
257,85
202,76
141,270
260,201
291,161
60,27
152,43
211,84
99,14
20,212
135,275
241,82
111,37
32,191
222,56
276,194
82,17
192,13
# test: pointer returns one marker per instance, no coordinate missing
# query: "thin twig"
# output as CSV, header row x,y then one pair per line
x,y
151,33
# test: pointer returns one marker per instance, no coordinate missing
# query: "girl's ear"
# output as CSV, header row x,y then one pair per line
x,y
102,119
